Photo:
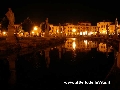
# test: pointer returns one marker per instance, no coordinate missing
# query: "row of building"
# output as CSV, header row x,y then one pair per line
x,y
82,28
85,28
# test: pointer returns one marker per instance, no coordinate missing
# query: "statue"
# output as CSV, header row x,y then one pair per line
x,y
11,29
10,16
46,28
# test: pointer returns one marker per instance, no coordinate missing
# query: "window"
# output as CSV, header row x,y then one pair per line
x,y
101,26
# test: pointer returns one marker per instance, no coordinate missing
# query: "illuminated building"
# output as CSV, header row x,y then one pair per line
x,y
55,30
84,28
94,30
102,27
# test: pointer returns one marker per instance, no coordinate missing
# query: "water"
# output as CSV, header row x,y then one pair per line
x,y
52,68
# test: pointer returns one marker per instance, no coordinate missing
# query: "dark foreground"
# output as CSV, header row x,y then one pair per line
x,y
32,73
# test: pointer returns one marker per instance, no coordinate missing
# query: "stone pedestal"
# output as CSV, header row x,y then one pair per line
x,y
46,33
12,59
11,37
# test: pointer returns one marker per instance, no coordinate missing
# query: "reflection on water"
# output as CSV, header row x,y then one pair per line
x,y
85,45
75,60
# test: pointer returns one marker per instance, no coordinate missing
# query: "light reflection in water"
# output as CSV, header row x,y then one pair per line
x,y
86,45
49,57
85,41
74,45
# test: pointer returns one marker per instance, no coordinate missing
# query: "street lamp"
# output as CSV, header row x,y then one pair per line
x,y
35,28
4,33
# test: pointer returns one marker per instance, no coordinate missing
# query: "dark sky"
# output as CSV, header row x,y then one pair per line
x,y
62,12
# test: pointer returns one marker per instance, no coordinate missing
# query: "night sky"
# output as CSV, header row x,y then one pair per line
x,y
62,12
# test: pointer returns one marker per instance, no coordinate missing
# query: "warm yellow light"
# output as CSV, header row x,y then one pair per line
x,y
73,38
57,31
32,32
85,41
80,33
74,45
104,31
90,33
4,33
35,28
83,33
74,30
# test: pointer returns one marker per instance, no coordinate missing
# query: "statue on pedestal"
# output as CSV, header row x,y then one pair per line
x,y
11,30
46,28
10,16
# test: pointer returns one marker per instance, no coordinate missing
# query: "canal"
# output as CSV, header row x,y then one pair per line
x,y
73,64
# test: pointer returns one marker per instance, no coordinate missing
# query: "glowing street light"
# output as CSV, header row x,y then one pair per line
x,y
4,33
35,28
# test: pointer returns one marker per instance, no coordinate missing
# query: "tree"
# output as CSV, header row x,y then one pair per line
x,y
27,25
4,23
19,29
